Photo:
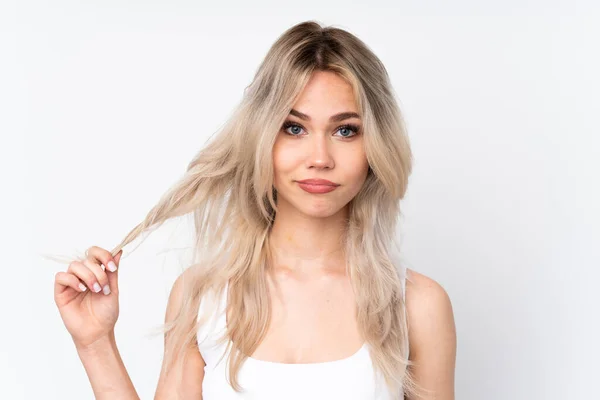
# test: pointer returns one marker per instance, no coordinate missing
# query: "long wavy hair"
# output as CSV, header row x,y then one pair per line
x,y
228,186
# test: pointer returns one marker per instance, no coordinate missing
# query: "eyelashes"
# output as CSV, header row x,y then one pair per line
x,y
355,129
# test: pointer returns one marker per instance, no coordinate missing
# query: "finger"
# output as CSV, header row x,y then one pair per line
x,y
118,257
64,281
104,257
85,275
101,276
113,277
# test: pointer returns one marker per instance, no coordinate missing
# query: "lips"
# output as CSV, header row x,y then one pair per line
x,y
317,185
324,182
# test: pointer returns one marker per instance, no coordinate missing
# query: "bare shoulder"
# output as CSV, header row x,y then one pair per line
x,y
428,305
175,297
193,367
423,292
432,334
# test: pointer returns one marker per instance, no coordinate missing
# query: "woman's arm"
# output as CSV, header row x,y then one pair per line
x,y
106,371
90,316
110,380
432,336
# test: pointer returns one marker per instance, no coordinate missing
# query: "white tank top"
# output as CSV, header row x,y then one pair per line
x,y
351,378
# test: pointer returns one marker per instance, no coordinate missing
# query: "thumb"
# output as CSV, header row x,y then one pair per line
x,y
113,277
117,258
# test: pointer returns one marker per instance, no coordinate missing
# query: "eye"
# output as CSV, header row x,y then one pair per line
x,y
347,131
289,124
350,130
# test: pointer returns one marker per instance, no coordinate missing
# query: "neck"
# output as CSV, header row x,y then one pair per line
x,y
307,244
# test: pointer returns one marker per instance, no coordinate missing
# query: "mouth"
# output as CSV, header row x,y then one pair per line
x,y
317,185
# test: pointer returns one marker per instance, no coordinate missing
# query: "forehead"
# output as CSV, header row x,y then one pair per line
x,y
326,93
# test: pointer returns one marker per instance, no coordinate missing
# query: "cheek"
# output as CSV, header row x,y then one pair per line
x,y
283,164
357,161
284,158
360,176
359,169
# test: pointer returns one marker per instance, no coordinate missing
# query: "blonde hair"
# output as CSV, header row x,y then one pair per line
x,y
228,187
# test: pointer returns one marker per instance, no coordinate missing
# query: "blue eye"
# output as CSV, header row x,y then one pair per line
x,y
291,125
352,130
349,130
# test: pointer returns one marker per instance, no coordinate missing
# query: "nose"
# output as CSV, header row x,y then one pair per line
x,y
319,152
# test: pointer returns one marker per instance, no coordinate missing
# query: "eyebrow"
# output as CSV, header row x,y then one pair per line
x,y
334,118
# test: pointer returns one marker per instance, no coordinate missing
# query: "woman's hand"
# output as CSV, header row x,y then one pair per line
x,y
87,296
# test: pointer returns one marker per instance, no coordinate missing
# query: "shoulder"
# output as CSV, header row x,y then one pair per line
x,y
432,335
179,303
192,372
176,296
421,287
429,312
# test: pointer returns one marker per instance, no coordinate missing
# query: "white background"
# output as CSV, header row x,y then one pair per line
x,y
103,104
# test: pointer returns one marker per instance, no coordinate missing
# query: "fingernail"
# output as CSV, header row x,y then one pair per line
x,y
106,290
82,287
97,287
111,266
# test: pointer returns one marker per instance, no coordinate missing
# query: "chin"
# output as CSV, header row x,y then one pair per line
x,y
313,207
322,210
318,214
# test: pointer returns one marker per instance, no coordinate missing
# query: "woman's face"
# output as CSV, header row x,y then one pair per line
x,y
315,144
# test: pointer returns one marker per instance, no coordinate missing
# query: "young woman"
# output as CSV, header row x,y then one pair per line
x,y
295,291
